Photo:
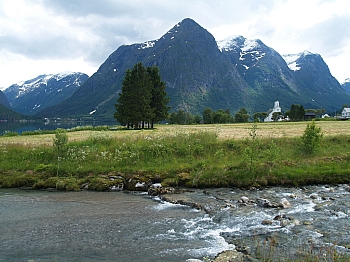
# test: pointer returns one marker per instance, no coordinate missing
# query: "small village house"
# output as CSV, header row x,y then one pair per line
x,y
346,112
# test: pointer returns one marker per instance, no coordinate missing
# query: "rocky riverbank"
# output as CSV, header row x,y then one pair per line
x,y
288,221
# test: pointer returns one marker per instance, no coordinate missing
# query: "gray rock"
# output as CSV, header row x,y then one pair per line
x,y
284,203
266,222
262,202
244,199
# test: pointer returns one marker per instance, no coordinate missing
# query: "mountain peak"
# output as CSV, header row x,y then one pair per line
x,y
293,60
241,42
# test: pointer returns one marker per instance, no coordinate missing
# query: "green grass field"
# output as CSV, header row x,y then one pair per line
x,y
191,156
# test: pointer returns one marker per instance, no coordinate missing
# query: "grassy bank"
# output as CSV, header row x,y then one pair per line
x,y
192,156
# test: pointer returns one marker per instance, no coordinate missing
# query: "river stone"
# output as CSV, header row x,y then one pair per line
x,y
262,202
284,222
141,186
284,203
244,199
266,222
229,255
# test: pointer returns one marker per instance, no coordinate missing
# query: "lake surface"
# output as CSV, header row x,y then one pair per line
x,y
20,127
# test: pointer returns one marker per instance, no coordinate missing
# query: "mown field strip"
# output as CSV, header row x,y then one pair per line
x,y
224,131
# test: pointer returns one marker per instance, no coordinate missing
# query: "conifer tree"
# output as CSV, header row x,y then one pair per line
x,y
142,99
159,99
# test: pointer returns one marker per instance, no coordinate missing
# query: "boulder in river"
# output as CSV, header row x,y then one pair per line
x,y
262,202
284,203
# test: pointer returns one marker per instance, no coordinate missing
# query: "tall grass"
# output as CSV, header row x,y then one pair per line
x,y
195,159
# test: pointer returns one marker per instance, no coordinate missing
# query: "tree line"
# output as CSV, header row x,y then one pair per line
x,y
221,116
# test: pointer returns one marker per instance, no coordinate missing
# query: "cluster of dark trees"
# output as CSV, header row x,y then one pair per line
x,y
295,113
143,100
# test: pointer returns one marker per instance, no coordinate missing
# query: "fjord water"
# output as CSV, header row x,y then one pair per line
x,y
101,226
23,126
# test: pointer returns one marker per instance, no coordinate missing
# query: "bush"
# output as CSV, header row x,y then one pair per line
x,y
10,133
311,138
61,138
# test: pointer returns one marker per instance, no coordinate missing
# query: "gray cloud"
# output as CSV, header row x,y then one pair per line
x,y
92,29
330,37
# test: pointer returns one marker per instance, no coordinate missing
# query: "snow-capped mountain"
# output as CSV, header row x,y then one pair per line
x,y
200,72
29,97
313,74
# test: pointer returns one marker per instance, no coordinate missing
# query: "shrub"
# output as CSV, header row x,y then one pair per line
x,y
311,138
10,133
61,139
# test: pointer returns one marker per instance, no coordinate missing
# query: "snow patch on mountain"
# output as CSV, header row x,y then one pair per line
x,y
147,44
24,87
250,51
228,44
346,81
292,59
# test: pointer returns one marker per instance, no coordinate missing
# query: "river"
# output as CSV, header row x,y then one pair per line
x,y
119,226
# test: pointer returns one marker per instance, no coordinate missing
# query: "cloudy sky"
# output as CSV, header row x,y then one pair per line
x,y
52,36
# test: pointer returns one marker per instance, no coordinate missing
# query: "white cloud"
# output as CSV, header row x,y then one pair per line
x,y
49,36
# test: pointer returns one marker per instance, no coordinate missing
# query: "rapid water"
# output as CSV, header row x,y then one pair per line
x,y
116,226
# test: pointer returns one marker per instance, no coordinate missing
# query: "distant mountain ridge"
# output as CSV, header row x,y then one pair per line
x,y
200,72
3,100
346,85
29,97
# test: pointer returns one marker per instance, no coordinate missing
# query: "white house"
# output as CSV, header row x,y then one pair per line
x,y
275,109
345,113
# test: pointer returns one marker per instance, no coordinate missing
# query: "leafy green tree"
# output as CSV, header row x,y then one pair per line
x,y
197,119
60,140
222,116
172,118
242,116
259,116
181,118
208,117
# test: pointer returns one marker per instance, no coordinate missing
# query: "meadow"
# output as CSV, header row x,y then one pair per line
x,y
234,155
